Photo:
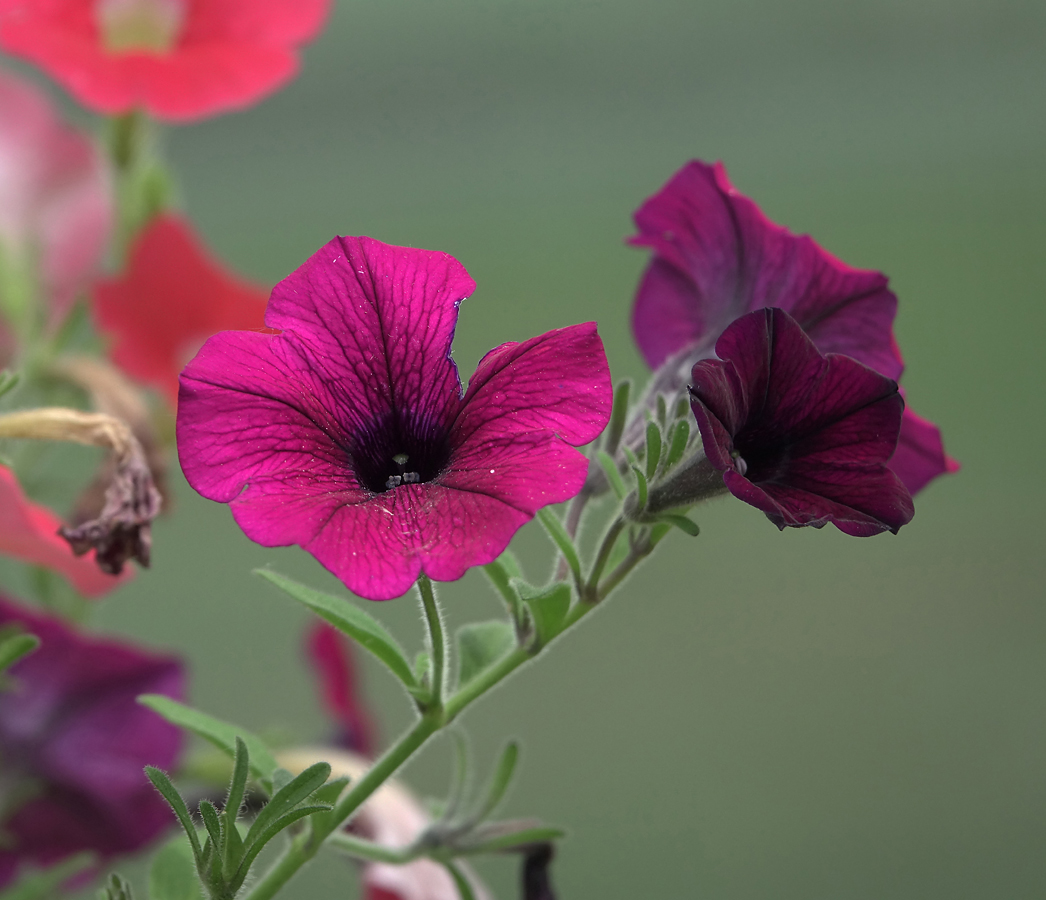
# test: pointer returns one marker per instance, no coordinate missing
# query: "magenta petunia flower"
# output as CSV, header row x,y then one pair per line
x,y
73,743
718,257
55,197
177,59
349,434
801,436
330,655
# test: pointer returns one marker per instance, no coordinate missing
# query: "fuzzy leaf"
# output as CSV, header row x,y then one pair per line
x,y
551,523
349,619
15,647
549,608
172,875
480,644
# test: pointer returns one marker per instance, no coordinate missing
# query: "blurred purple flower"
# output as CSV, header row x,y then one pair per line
x,y
801,436
348,433
718,257
73,743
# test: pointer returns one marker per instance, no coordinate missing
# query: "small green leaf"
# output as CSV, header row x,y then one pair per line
x,y
221,734
331,791
233,800
8,381
549,608
662,410
480,644
653,448
16,647
618,417
169,793
116,888
263,838
287,798
681,522
211,822
677,443
613,475
500,781
683,406
362,627
552,524
172,875
641,482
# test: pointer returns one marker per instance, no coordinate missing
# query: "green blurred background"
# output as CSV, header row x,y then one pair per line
x,y
756,715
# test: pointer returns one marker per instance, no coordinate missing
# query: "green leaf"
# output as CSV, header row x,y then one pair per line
x,y
501,572
221,734
618,417
8,381
287,798
562,540
480,644
169,793
116,888
45,885
172,875
500,781
681,522
362,627
549,608
16,647
233,801
211,822
653,448
613,475
641,482
662,410
331,791
677,443
263,837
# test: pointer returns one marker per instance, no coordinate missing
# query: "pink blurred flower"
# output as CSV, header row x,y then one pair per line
x,y
349,433
55,195
178,59
29,532
717,257
74,741
172,296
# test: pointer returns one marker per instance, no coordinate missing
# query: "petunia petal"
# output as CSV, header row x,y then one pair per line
x,y
29,532
920,455
717,257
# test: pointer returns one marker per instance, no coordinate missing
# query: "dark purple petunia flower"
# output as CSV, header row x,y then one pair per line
x,y
718,257
73,743
348,433
801,436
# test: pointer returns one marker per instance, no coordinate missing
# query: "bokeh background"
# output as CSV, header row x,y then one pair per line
x,y
756,715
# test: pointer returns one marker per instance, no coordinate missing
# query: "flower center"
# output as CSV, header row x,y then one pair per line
x,y
739,462
152,26
393,454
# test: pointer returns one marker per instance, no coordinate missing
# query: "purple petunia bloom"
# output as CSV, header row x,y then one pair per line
x,y
801,436
73,743
718,257
348,432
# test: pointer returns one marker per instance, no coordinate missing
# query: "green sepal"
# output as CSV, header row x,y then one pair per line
x,y
500,780
554,527
677,443
349,619
480,645
174,800
15,647
618,417
221,734
653,449
680,522
549,609
45,885
172,874
613,475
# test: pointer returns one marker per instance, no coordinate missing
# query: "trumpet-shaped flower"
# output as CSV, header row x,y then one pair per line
x,y
73,742
178,59
801,436
55,206
717,257
29,532
348,433
169,300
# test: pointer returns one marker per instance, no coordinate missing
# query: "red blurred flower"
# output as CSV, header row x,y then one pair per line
x,y
29,532
177,59
171,298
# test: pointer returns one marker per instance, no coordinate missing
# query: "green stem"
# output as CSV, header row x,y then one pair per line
x,y
369,851
484,682
605,549
300,851
436,639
